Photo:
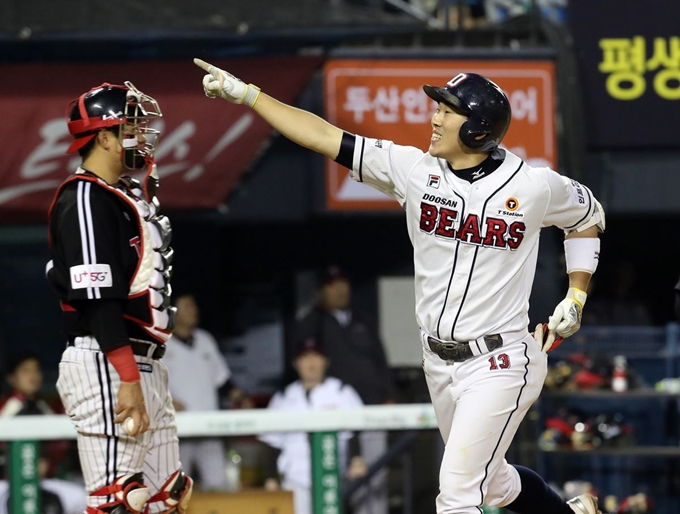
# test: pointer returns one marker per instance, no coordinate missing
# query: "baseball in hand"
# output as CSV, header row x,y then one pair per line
x,y
128,426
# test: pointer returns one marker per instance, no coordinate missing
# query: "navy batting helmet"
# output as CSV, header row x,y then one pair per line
x,y
483,102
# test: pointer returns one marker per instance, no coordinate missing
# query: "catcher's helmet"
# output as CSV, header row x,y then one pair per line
x,y
110,105
485,104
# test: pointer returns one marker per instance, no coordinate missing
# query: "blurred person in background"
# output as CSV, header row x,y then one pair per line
x,y
198,376
289,461
25,377
357,357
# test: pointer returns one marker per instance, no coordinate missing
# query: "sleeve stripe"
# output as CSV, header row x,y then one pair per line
x,y
90,233
87,232
361,159
83,233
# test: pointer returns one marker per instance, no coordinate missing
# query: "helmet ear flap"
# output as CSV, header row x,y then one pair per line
x,y
472,129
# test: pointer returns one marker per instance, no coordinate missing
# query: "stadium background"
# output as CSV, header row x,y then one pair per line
x,y
275,223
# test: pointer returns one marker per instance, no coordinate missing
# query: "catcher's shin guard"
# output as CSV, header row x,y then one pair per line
x,y
129,496
175,493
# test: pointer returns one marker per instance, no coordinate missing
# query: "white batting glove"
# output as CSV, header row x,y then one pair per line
x,y
566,320
223,84
547,339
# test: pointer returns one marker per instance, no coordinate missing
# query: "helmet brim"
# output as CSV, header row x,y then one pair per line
x,y
441,94
78,143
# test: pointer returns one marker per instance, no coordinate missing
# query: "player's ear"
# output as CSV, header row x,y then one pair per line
x,y
105,138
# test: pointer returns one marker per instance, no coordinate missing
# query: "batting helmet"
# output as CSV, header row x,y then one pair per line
x,y
110,105
483,102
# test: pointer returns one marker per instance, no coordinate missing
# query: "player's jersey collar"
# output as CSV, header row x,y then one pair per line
x,y
486,168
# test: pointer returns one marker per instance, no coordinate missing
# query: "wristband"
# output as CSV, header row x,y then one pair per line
x,y
579,296
582,254
251,95
123,360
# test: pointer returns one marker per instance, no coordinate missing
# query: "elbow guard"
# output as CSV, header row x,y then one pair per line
x,y
597,219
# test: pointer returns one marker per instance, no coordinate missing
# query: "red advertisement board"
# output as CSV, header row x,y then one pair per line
x,y
204,147
385,99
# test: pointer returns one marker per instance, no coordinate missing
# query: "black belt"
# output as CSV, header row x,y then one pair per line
x,y
460,352
139,348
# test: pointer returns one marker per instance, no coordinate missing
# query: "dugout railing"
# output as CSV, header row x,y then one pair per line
x,y
25,432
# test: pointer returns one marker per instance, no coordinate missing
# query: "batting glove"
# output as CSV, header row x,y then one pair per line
x,y
545,338
566,320
223,84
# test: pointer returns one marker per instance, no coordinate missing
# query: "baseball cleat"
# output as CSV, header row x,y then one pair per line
x,y
584,504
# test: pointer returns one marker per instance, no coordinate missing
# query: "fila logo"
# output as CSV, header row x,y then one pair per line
x,y
433,181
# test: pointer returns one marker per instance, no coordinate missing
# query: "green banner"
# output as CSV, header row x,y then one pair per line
x,y
24,482
326,497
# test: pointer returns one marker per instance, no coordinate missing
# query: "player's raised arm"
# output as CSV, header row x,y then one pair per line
x,y
301,127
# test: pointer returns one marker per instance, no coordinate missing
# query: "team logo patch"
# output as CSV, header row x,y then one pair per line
x,y
91,275
145,367
511,204
433,181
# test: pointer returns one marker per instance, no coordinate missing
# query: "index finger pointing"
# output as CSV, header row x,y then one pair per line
x,y
202,64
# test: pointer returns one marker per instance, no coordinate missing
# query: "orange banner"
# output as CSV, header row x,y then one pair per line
x,y
385,99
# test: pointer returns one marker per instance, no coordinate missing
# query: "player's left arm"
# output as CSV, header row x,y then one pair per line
x,y
573,208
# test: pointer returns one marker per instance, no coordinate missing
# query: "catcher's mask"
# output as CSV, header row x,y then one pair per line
x,y
483,102
110,105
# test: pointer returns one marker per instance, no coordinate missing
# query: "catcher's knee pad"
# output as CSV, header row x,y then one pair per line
x,y
175,493
129,496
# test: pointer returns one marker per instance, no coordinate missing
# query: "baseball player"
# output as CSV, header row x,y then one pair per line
x,y
110,268
474,215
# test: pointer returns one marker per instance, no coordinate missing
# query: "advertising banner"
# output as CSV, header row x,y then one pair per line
x,y
385,99
205,144
629,71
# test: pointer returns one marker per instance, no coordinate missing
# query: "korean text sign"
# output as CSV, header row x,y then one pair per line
x,y
385,99
629,71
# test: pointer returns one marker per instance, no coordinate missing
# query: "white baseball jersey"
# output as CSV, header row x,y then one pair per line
x,y
295,459
475,248
197,371
465,232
